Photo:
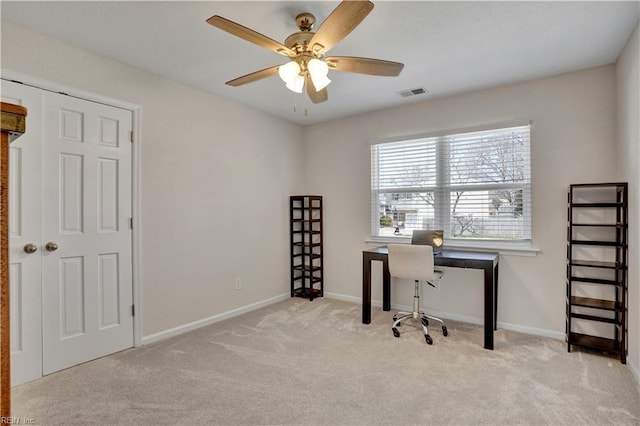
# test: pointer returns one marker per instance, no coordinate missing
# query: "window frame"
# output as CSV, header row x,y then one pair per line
x,y
522,246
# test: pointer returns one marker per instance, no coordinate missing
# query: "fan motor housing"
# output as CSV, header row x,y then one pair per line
x,y
305,21
298,42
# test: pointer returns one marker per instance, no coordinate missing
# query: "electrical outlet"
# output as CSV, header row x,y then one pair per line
x,y
238,283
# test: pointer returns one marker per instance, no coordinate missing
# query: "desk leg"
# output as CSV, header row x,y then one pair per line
x,y
366,289
489,306
386,286
495,298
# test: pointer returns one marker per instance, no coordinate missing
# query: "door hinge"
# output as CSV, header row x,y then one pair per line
x,y
130,223
133,310
131,136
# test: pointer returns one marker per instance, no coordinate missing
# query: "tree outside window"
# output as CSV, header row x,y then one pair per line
x,y
472,185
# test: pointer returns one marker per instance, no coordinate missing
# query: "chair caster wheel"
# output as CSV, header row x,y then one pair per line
x,y
445,331
396,333
428,339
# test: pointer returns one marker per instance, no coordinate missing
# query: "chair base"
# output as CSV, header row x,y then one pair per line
x,y
424,318
418,314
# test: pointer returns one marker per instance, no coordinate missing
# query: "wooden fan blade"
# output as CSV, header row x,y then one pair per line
x,y
249,35
254,76
315,96
364,65
339,24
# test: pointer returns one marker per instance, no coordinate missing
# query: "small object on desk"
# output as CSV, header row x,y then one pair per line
x,y
429,237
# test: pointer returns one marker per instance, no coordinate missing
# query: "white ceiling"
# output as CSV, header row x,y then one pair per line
x,y
447,47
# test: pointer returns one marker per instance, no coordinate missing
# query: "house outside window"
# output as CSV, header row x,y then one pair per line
x,y
473,185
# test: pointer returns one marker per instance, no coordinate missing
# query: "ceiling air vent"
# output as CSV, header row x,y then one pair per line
x,y
412,92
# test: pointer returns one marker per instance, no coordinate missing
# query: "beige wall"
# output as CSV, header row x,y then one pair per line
x,y
215,182
573,140
214,194
628,85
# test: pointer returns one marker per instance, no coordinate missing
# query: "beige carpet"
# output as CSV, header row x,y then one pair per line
x,y
299,362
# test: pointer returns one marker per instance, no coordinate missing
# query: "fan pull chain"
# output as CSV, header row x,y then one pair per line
x,y
304,103
303,106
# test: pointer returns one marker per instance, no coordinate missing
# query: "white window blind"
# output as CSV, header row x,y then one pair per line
x,y
473,185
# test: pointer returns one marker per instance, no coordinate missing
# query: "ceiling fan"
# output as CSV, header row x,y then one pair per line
x,y
306,49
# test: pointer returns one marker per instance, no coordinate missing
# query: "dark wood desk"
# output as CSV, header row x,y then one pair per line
x,y
488,262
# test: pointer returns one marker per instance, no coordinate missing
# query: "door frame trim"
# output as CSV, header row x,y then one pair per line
x,y
136,207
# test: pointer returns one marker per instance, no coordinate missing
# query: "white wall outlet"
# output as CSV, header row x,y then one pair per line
x,y
238,283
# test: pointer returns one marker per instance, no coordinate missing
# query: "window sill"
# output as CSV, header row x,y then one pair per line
x,y
505,248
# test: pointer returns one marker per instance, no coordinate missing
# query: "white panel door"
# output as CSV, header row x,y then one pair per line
x,y
87,263
25,227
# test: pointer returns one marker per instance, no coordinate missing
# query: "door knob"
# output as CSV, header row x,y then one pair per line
x,y
30,248
51,246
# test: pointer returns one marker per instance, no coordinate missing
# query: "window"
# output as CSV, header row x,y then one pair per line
x,y
474,185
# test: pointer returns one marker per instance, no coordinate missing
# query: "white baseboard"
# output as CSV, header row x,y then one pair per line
x,y
634,370
456,317
558,335
352,299
152,338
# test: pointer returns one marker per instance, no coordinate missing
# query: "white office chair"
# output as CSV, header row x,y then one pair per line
x,y
414,262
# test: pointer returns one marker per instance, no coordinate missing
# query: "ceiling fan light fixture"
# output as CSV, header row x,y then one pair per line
x,y
296,84
306,50
318,70
289,71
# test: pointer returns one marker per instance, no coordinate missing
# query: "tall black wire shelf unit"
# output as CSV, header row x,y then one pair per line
x,y
597,267
307,271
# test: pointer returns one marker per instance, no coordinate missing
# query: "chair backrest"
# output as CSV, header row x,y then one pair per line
x,y
411,262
